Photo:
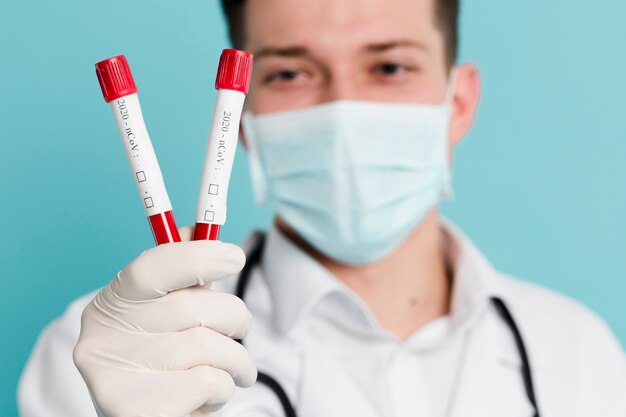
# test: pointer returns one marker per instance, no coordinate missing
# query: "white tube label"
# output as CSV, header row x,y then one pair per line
x,y
219,158
141,156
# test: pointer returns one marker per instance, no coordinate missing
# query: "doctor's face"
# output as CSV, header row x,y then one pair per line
x,y
311,52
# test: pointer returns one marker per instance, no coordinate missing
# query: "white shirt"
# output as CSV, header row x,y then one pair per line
x,y
321,342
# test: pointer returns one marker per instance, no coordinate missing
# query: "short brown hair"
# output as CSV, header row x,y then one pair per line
x,y
446,12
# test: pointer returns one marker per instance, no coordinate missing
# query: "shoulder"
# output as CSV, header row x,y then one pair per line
x,y
51,360
572,347
66,327
555,316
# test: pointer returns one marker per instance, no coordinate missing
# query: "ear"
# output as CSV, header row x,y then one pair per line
x,y
465,102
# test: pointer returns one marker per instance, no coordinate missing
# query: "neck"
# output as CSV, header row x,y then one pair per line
x,y
405,290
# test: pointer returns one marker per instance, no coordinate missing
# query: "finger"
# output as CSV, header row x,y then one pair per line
x,y
215,386
155,393
183,309
210,410
191,348
174,266
203,412
202,346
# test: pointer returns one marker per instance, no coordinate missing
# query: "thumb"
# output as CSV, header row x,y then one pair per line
x,y
202,412
167,268
186,233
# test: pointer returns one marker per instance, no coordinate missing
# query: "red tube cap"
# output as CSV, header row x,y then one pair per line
x,y
115,78
234,71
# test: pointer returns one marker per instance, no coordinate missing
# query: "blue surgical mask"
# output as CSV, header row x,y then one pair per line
x,y
353,178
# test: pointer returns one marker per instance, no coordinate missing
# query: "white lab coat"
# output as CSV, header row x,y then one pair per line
x,y
579,367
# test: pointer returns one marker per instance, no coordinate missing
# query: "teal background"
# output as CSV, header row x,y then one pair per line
x,y
540,181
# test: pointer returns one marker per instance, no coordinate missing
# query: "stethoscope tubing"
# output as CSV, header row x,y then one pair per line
x,y
254,258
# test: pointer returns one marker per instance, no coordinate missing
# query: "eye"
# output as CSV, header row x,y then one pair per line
x,y
391,69
285,76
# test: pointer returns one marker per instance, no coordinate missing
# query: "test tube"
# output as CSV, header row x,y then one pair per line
x,y
120,91
232,84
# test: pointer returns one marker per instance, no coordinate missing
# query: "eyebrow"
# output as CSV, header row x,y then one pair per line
x,y
300,51
403,43
288,52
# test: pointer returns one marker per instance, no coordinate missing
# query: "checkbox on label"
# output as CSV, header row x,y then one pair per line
x,y
148,201
213,189
209,216
141,176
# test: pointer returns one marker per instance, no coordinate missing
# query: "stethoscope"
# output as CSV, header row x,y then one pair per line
x,y
254,258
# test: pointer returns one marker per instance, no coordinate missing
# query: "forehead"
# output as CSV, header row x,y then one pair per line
x,y
339,24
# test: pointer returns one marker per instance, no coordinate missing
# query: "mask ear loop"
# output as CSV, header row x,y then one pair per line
x,y
447,192
257,176
451,88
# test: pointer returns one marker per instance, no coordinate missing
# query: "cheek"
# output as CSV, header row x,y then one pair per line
x,y
257,102
429,88
262,100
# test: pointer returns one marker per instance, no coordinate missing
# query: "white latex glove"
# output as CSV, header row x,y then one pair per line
x,y
156,341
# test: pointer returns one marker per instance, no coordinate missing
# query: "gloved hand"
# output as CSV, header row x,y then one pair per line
x,y
157,341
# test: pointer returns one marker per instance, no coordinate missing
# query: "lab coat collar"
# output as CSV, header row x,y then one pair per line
x,y
297,282
474,278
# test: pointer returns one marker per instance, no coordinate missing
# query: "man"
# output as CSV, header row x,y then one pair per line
x,y
364,302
